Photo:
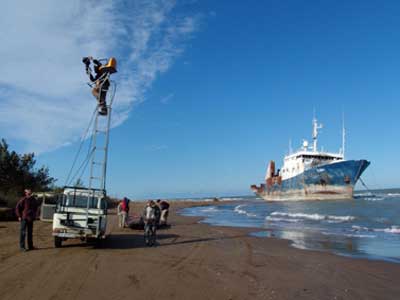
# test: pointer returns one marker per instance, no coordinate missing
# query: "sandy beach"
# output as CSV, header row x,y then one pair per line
x,y
191,261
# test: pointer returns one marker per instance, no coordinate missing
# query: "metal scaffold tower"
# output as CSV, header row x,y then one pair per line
x,y
81,212
98,130
99,145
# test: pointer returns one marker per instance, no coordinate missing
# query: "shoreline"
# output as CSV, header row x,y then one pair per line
x,y
313,240
192,261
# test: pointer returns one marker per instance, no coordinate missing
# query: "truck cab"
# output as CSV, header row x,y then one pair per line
x,y
81,213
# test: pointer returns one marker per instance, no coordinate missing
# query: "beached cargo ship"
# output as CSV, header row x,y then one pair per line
x,y
309,174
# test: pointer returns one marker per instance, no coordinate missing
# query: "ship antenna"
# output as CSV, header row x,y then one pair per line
x,y
316,126
343,135
290,147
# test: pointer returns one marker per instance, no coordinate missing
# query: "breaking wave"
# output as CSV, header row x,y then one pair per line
x,y
360,235
368,196
393,194
314,217
360,228
357,235
231,199
209,209
374,198
288,220
238,209
392,229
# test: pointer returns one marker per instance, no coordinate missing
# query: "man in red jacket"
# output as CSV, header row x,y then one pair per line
x,y
26,213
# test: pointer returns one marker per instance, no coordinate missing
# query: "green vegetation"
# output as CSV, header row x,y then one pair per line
x,y
17,172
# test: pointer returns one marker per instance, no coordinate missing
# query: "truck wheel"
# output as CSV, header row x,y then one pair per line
x,y
99,243
57,242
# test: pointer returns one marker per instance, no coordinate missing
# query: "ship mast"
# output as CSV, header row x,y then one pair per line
x,y
343,136
316,126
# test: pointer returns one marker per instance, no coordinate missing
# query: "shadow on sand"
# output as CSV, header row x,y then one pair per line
x,y
134,241
130,241
140,226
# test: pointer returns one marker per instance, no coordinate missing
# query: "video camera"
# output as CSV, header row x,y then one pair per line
x,y
86,61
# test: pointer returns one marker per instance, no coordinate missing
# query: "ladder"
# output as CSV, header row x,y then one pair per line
x,y
99,146
97,155
100,141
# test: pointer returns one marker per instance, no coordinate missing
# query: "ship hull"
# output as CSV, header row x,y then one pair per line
x,y
327,182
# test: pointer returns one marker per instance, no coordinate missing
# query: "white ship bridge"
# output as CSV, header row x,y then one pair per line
x,y
308,157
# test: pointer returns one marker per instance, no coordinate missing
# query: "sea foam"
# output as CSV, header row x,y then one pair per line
x,y
209,209
392,229
314,217
239,209
374,198
232,199
393,194
288,220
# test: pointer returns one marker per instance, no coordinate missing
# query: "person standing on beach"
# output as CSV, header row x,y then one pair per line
x,y
123,210
120,213
26,210
158,214
164,206
150,215
126,200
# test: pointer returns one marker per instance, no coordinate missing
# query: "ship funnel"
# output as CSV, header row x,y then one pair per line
x,y
270,170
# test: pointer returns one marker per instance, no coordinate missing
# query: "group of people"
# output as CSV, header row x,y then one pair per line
x,y
155,214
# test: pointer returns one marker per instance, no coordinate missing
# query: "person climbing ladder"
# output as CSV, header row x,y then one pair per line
x,y
100,79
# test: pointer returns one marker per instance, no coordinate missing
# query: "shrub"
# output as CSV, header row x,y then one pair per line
x,y
17,172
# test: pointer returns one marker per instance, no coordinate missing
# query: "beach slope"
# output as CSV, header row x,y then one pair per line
x,y
192,261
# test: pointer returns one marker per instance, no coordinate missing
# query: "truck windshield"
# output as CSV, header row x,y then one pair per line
x,y
80,201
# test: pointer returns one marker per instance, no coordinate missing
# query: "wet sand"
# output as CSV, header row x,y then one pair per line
x,y
192,261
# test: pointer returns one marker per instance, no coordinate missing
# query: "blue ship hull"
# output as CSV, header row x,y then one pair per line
x,y
323,182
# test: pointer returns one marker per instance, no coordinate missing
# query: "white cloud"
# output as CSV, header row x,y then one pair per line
x,y
44,101
166,99
157,148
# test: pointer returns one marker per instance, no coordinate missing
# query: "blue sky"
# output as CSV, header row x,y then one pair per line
x,y
209,91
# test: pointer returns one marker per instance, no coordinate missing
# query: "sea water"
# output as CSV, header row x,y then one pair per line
x,y
367,226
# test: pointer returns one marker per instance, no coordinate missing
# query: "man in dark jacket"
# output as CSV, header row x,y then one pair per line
x,y
164,207
26,213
